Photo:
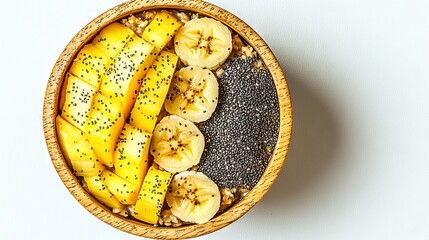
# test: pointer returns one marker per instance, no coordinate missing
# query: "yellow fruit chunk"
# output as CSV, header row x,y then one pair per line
x,y
152,194
77,150
103,127
123,79
77,101
161,30
123,190
153,91
131,157
112,38
90,65
98,189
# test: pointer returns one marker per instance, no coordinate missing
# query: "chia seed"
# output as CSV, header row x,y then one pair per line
x,y
244,125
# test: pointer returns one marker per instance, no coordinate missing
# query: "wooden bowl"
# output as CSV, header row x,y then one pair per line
x,y
50,111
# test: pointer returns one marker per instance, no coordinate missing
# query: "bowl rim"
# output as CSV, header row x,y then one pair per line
x,y
50,111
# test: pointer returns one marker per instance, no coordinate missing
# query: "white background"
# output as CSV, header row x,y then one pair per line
x,y
358,164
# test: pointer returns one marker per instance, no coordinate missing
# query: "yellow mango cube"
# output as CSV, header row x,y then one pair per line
x,y
131,157
78,99
99,190
77,150
112,38
123,190
105,123
90,65
153,91
161,30
123,79
151,196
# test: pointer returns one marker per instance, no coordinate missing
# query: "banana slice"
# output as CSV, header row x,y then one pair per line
x,y
193,94
177,144
203,42
193,197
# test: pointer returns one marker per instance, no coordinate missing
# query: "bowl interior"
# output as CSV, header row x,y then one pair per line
x,y
50,111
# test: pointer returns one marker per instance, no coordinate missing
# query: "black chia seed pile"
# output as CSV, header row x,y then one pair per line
x,y
244,126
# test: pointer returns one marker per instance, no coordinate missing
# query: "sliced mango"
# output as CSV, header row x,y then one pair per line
x,y
161,30
78,99
123,79
153,92
152,194
131,157
77,150
123,190
113,38
99,190
90,65
103,127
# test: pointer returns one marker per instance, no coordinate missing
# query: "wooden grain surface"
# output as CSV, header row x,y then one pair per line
x,y
50,111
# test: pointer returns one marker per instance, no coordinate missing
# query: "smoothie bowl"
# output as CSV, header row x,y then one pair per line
x,y
167,119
